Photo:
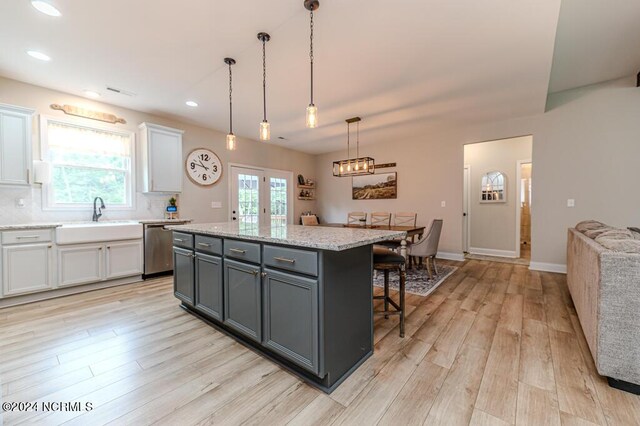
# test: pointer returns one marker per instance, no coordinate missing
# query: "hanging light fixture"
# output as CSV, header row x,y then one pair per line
x,y
312,110
231,138
265,127
354,166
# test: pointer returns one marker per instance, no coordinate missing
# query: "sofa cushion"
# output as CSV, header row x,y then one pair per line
x,y
588,225
595,233
592,228
620,240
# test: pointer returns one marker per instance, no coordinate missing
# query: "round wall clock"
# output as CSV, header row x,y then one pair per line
x,y
203,167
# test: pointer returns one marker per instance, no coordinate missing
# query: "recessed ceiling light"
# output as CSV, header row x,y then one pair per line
x,y
92,94
46,7
38,55
192,104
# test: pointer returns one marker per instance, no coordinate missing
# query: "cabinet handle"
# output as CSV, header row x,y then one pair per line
x,y
284,259
193,256
100,249
204,245
263,275
254,273
235,250
27,237
178,240
28,176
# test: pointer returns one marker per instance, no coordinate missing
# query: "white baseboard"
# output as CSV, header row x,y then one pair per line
x,y
548,267
492,252
450,256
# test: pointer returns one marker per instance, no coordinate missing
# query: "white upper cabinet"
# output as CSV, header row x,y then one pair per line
x,y
15,144
161,152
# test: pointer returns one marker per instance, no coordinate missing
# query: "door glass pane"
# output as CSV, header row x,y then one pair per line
x,y
278,188
248,199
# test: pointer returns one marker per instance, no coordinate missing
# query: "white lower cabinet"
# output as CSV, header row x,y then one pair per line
x,y
27,268
87,263
124,259
80,264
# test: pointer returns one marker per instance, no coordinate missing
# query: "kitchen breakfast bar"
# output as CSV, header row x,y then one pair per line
x,y
299,295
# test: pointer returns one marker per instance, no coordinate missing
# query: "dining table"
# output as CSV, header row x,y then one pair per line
x,y
411,231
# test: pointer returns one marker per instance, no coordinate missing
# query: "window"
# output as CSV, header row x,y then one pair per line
x,y
87,162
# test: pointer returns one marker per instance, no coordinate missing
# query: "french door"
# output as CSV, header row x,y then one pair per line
x,y
260,197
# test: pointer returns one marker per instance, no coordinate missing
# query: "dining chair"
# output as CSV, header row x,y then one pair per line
x,y
427,247
309,220
381,219
357,218
405,219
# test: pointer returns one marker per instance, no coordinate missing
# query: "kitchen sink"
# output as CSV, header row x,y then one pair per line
x,y
91,232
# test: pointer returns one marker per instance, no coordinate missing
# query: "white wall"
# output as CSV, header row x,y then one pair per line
x,y
493,225
195,201
586,147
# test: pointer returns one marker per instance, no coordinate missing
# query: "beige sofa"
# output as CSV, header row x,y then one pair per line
x,y
603,274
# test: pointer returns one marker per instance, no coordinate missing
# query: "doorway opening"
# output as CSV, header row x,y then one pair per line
x,y
260,197
496,219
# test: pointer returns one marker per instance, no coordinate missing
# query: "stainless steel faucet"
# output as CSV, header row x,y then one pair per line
x,y
97,212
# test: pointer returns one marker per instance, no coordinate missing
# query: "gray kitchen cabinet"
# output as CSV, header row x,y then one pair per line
x,y
243,298
183,275
291,327
208,276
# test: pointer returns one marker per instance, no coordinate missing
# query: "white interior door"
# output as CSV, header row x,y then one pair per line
x,y
261,196
465,208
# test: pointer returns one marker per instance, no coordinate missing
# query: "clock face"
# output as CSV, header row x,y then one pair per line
x,y
203,167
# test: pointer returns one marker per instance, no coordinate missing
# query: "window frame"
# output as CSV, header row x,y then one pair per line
x,y
47,188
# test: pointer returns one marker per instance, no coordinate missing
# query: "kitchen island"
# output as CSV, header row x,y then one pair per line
x,y
299,295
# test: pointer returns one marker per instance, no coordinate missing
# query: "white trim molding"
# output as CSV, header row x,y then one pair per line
x,y
548,267
450,256
492,252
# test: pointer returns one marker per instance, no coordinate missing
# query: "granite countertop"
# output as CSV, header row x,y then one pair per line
x,y
23,226
318,237
143,221
29,226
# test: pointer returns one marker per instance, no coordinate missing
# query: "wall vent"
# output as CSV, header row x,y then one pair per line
x,y
120,91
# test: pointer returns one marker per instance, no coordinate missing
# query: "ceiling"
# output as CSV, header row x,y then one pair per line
x,y
597,40
406,67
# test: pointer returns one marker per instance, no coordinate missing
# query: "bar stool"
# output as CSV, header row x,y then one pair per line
x,y
386,260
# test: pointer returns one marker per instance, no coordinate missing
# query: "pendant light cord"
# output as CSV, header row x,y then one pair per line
x,y
348,140
264,78
230,101
357,140
311,54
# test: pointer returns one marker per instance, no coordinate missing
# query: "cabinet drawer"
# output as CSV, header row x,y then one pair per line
x,y
210,245
249,252
180,239
25,236
302,261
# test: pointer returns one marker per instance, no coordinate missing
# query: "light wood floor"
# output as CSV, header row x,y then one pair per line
x,y
495,344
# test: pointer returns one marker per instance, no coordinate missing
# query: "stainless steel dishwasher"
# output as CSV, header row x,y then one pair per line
x,y
158,248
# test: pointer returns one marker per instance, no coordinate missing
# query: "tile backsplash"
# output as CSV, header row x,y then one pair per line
x,y
147,206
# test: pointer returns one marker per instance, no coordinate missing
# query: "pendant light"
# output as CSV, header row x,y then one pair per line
x,y
354,166
312,110
231,138
265,127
